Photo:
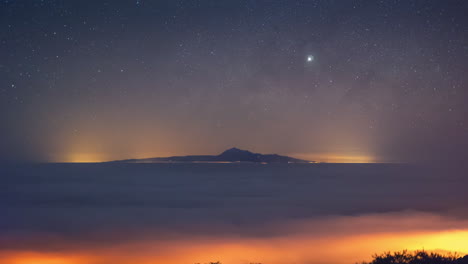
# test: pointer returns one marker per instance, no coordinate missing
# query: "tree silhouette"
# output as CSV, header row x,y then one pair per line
x,y
417,257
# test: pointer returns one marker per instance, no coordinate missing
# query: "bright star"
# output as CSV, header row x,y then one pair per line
x,y
310,58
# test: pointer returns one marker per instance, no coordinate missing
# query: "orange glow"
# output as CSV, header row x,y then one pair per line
x,y
338,158
347,159
107,142
42,258
298,250
80,154
356,240
96,157
83,158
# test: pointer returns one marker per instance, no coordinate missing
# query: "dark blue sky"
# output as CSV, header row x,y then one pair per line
x,y
324,80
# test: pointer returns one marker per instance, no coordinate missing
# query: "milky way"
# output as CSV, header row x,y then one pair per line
x,y
351,81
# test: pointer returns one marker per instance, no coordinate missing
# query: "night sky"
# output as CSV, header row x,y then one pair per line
x,y
342,81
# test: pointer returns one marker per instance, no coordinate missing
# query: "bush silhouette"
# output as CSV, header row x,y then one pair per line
x,y
417,257
408,257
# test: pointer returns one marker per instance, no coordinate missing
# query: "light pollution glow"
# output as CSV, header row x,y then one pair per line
x,y
355,240
89,151
98,142
339,158
327,158
86,152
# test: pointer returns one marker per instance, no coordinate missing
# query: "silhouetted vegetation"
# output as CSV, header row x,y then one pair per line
x,y
417,257
408,257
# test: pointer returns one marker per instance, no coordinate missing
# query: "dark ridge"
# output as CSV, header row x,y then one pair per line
x,y
230,155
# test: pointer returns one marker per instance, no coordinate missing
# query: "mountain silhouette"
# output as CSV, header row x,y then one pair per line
x,y
230,155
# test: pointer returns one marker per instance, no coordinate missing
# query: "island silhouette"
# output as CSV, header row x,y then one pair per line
x,y
228,156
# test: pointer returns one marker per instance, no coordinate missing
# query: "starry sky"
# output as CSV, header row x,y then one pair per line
x,y
337,81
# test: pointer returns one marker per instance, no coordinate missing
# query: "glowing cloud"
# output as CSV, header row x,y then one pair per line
x,y
336,240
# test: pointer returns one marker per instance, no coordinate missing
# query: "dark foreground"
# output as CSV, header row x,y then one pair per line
x,y
222,211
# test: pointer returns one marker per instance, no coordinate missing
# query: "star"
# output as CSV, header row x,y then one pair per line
x,y
310,58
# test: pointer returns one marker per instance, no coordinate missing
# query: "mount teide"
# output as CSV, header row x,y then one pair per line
x,y
231,155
